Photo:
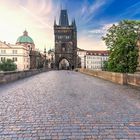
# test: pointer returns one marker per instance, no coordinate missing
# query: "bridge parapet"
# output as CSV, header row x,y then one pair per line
x,y
10,76
119,78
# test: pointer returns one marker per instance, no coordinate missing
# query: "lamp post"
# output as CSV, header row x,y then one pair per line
x,y
31,57
52,61
45,57
84,61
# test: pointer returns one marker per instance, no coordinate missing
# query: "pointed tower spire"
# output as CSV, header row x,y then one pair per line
x,y
63,20
74,23
45,50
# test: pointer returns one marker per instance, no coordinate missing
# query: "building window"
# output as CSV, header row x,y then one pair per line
x,y
14,51
3,51
14,59
63,49
67,37
3,58
60,37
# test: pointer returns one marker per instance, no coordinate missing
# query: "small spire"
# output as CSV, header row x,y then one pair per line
x,y
55,21
45,49
74,23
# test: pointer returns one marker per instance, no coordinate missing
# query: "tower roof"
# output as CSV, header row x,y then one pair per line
x,y
63,20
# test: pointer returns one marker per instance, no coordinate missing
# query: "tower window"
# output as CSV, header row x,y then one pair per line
x,y
63,49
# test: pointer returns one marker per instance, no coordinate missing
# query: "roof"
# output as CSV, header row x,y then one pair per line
x,y
98,53
25,38
63,20
4,45
78,49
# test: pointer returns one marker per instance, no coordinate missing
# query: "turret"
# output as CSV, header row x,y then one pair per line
x,y
74,23
55,22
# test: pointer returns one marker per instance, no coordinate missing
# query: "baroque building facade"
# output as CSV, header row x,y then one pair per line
x,y
18,53
36,58
65,42
82,55
23,53
93,59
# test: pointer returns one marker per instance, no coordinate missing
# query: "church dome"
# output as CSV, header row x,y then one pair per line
x,y
25,38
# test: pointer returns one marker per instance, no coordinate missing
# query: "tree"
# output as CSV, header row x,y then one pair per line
x,y
121,40
7,65
105,66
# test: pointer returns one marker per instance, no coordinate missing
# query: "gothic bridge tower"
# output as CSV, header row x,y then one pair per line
x,y
65,42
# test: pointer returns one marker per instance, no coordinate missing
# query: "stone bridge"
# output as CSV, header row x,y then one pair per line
x,y
61,105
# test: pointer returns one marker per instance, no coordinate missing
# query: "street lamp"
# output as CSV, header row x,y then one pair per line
x,y
45,57
52,61
31,57
84,61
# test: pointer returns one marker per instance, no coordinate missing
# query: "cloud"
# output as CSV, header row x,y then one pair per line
x,y
92,39
38,17
96,6
89,11
101,30
91,43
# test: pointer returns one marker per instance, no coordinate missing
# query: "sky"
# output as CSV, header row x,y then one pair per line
x,y
93,18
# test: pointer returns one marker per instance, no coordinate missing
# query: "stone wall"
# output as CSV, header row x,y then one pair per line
x,y
133,79
6,77
120,78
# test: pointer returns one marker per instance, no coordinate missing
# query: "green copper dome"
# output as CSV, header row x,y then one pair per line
x,y
25,38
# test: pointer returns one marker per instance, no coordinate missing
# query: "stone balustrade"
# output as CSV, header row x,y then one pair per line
x,y
120,78
6,77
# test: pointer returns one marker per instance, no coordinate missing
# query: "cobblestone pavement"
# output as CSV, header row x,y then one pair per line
x,y
68,105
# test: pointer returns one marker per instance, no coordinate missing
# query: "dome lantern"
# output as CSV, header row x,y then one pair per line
x,y
25,33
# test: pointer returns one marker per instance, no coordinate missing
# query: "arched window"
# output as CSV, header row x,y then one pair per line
x,y
63,47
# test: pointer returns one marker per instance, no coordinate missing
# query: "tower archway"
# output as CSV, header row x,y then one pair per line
x,y
64,64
